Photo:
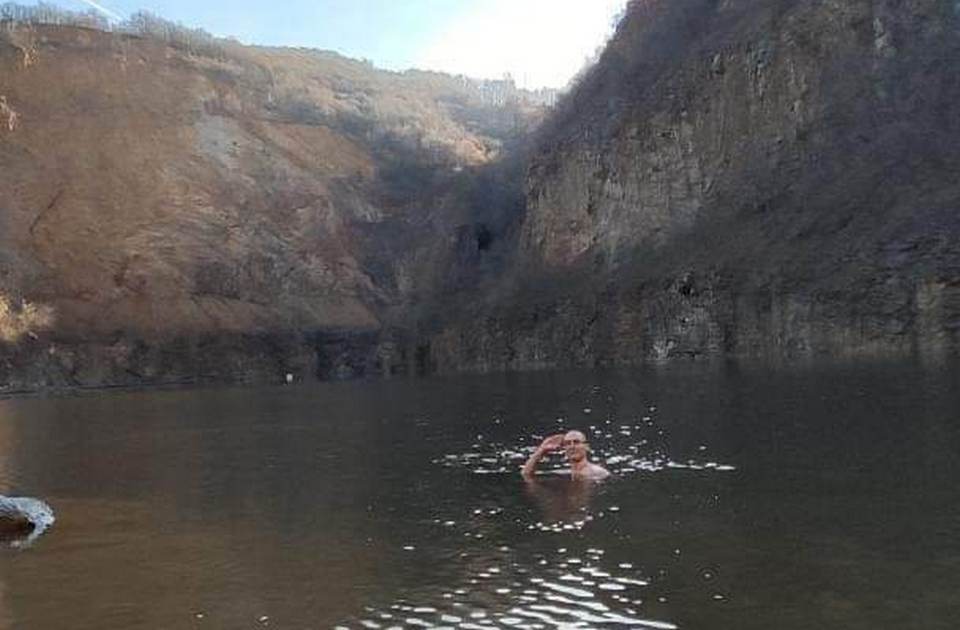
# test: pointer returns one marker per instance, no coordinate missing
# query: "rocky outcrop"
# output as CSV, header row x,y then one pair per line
x,y
217,357
23,520
696,317
748,177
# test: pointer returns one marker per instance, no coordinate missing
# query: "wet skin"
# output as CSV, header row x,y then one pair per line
x,y
575,448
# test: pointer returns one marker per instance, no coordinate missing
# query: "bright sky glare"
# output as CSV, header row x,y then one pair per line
x,y
542,43
539,42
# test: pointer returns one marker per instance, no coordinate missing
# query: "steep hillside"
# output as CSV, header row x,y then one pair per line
x,y
171,211
770,178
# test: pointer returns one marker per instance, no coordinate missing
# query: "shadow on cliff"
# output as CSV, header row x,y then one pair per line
x,y
764,177
465,235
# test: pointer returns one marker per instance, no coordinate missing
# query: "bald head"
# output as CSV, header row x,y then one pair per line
x,y
575,446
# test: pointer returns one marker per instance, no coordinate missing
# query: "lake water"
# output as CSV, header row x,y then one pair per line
x,y
743,498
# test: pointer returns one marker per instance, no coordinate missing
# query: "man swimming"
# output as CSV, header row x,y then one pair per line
x,y
574,445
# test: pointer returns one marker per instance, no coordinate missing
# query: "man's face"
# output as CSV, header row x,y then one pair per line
x,y
575,446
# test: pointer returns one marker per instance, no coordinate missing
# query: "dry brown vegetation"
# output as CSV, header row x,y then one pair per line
x,y
20,319
161,188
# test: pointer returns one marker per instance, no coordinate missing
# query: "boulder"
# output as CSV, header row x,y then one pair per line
x,y
23,519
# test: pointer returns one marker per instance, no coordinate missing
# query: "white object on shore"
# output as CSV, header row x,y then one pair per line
x,y
34,510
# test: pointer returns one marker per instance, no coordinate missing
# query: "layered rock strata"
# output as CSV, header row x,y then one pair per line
x,y
748,177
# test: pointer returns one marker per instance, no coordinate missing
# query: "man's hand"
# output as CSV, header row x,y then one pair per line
x,y
552,443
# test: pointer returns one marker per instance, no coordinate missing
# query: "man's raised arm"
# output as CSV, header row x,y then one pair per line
x,y
551,443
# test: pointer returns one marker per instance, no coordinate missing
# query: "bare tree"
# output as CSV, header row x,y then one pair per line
x,y
192,40
144,24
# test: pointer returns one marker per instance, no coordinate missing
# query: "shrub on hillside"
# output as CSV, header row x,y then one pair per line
x,y
142,23
42,13
25,318
193,40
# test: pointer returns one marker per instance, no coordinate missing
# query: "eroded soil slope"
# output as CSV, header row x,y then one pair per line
x,y
156,199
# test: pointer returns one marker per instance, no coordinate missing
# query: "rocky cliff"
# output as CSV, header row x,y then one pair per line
x,y
763,178
176,212
767,178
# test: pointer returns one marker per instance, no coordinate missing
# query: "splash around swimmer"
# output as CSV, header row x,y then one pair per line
x,y
575,448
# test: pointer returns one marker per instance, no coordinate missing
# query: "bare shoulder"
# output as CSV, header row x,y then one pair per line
x,y
598,472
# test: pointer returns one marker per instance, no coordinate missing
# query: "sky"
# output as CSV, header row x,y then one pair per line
x,y
541,43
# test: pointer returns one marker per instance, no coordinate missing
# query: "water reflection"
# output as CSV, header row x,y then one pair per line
x,y
740,500
564,588
6,620
564,503
6,465
191,510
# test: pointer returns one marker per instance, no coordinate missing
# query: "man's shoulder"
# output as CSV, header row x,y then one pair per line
x,y
598,472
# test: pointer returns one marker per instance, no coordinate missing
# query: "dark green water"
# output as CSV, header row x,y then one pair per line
x,y
745,498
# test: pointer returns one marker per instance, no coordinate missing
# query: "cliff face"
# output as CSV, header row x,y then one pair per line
x,y
742,177
169,215
767,178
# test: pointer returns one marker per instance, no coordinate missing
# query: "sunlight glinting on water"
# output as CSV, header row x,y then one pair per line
x,y
411,512
623,448
510,596
565,591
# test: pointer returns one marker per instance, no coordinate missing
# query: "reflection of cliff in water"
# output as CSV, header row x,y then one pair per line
x,y
203,486
6,472
5,622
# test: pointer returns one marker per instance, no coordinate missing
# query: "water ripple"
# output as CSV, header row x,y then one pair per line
x,y
639,447
534,593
